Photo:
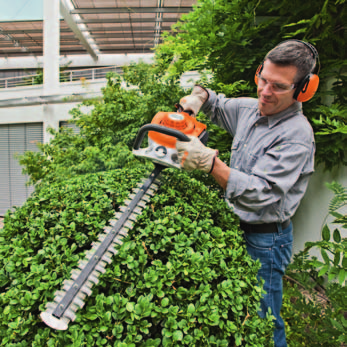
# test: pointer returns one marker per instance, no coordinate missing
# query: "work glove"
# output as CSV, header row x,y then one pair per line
x,y
195,100
194,155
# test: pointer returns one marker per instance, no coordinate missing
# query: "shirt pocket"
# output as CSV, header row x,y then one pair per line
x,y
234,150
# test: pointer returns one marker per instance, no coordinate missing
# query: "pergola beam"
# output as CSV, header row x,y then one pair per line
x,y
102,51
112,10
90,29
69,19
123,35
71,37
125,20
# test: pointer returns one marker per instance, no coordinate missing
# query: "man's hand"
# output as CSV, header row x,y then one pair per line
x,y
194,101
194,155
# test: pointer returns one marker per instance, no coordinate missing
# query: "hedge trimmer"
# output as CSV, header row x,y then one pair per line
x,y
163,131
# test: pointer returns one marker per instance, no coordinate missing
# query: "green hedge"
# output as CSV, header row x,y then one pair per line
x,y
181,278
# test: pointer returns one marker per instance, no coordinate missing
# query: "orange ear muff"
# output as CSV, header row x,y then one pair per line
x,y
307,88
259,69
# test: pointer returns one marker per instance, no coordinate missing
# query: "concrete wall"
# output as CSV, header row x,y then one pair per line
x,y
29,104
312,212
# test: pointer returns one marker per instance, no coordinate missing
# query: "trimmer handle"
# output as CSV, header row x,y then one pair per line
x,y
160,129
180,109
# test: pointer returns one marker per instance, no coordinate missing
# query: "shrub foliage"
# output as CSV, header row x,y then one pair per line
x,y
182,276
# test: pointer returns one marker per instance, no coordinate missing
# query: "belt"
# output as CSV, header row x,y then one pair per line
x,y
264,228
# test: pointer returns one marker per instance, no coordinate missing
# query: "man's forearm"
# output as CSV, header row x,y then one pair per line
x,y
221,173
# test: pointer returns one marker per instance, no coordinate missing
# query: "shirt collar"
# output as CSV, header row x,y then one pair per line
x,y
287,113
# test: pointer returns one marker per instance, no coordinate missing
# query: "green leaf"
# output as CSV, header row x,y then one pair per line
x,y
337,258
337,236
130,306
91,316
191,309
344,262
342,276
326,233
165,302
323,270
177,335
325,256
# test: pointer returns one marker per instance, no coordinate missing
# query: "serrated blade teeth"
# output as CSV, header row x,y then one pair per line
x,y
118,215
86,290
75,273
146,198
94,277
82,263
113,222
133,217
107,257
108,229
78,302
51,306
101,237
127,202
100,268
142,203
67,284
138,210
136,190
58,295
95,245
117,243
112,250
128,224
124,209
150,192
70,314
123,232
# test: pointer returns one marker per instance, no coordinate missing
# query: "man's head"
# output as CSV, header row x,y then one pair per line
x,y
283,69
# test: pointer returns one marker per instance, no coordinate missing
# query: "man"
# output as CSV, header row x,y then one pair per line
x,y
272,159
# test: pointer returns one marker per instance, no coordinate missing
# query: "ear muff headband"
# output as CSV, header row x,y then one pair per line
x,y
308,86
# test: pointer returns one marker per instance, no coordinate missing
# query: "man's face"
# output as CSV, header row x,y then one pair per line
x,y
271,102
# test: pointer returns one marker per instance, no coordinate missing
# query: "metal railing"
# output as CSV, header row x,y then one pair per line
x,y
64,76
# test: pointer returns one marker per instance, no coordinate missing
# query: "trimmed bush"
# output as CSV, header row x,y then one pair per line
x,y
181,278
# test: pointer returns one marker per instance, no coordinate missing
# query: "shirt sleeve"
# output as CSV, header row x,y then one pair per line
x,y
272,176
222,111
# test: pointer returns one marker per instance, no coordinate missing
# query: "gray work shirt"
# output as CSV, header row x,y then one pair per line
x,y
272,157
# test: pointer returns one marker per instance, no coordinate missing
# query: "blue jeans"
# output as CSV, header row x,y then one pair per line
x,y
274,251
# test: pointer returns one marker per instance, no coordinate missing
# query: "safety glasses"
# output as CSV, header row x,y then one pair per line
x,y
278,88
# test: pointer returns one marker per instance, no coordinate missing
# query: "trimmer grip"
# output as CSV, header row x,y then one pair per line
x,y
160,129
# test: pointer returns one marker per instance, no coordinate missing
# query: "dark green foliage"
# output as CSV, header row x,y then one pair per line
x,y
181,277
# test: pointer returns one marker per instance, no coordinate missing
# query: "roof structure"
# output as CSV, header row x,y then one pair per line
x,y
109,26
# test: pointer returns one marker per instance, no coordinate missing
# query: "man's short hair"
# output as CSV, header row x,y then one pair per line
x,y
293,53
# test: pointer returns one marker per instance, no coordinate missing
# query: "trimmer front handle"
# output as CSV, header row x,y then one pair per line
x,y
160,129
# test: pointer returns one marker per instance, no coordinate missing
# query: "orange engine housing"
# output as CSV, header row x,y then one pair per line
x,y
179,121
